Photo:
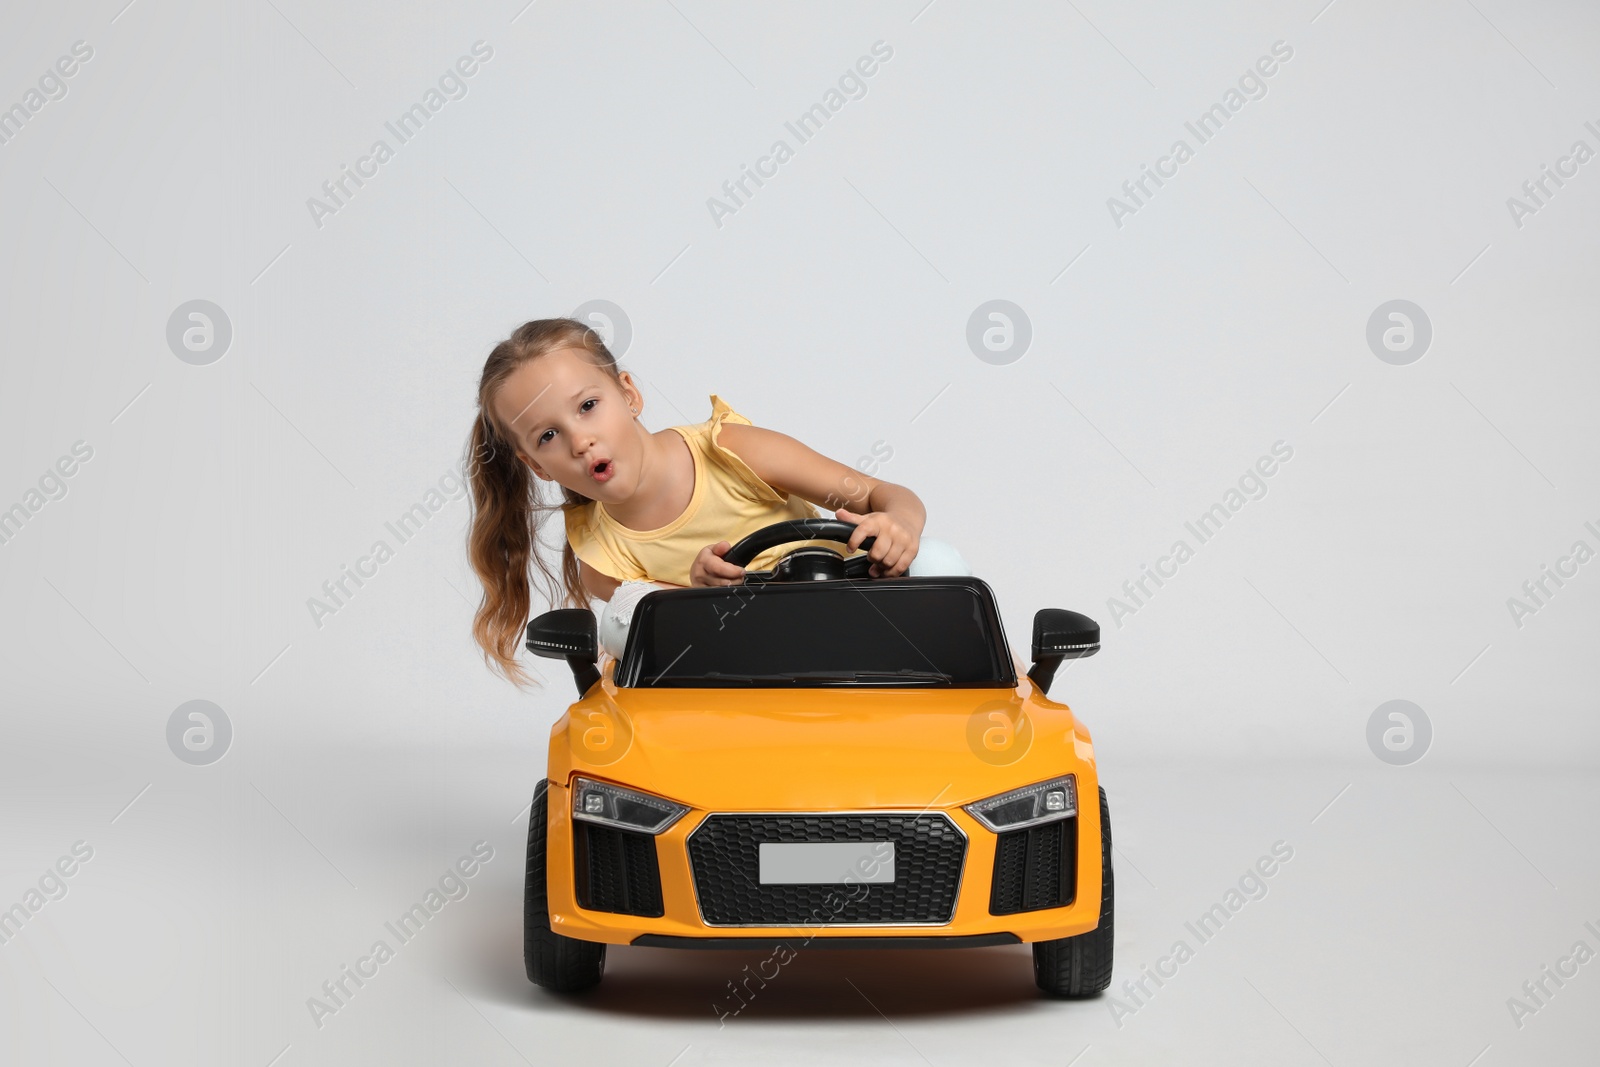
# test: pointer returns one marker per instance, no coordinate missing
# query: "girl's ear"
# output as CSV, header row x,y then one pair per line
x,y
631,393
527,461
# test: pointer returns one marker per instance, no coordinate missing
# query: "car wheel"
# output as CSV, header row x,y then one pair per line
x,y
554,961
1081,966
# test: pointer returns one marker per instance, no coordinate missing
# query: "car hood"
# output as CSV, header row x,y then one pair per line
x,y
818,748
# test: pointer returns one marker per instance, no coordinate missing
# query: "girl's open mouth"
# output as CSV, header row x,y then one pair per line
x,y
602,471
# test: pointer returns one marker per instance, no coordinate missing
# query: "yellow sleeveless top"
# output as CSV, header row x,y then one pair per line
x,y
730,501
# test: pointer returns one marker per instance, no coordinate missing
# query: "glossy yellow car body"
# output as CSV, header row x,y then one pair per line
x,y
820,750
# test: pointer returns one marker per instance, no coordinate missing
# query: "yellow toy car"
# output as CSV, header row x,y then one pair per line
x,y
818,759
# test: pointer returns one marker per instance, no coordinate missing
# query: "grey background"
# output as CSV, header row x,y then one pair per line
x,y
1167,355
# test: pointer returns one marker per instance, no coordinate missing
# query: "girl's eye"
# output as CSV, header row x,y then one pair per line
x,y
584,407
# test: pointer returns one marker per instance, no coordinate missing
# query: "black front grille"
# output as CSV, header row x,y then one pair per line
x,y
1035,868
724,853
616,870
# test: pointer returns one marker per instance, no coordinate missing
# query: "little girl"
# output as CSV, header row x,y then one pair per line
x,y
642,510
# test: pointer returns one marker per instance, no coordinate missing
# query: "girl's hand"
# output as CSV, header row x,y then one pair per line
x,y
895,545
709,568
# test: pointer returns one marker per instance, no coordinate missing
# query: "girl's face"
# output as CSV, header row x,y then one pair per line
x,y
571,424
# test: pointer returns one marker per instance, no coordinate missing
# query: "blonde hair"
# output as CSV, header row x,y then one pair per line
x,y
507,512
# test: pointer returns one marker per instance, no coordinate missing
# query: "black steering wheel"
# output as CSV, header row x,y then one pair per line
x,y
810,563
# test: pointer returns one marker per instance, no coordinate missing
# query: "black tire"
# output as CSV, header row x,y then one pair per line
x,y
1081,966
556,962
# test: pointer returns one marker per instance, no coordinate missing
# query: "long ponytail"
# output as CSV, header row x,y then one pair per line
x,y
507,510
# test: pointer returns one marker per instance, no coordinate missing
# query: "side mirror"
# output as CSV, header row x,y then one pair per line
x,y
1057,635
569,634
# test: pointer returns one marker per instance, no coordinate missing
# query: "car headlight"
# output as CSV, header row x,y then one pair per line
x,y
626,809
1029,806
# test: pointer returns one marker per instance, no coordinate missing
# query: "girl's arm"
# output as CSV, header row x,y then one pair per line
x,y
890,513
601,586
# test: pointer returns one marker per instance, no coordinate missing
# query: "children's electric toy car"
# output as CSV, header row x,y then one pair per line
x,y
819,759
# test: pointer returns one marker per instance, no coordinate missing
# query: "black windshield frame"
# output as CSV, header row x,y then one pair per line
x,y
946,625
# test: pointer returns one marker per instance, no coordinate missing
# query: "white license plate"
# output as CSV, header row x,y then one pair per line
x,y
826,862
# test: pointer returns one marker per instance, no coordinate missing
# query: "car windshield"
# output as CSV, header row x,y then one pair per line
x,y
904,632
